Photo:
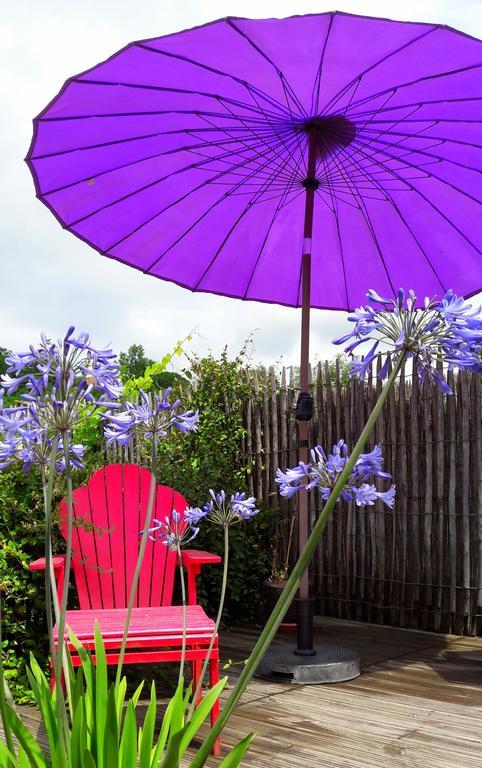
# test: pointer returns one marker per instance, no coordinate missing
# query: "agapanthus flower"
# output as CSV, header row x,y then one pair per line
x,y
62,383
447,331
174,531
150,418
225,511
194,515
323,472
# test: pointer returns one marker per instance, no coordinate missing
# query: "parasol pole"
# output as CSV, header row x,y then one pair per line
x,y
304,407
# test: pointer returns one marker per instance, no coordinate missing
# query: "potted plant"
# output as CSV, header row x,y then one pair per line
x,y
280,565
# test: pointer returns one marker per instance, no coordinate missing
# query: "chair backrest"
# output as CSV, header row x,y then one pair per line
x,y
109,512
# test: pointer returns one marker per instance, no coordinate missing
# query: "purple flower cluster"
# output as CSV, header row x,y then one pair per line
x,y
62,383
447,331
223,511
174,532
323,472
178,530
151,418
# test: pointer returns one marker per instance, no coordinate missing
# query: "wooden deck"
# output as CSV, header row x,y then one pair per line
x,y
418,704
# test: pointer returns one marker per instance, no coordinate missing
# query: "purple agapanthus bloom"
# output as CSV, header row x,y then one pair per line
x,y
222,510
225,511
194,515
447,331
323,472
62,383
174,532
151,418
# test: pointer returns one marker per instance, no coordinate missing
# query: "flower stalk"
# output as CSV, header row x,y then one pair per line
x,y
60,658
216,626
140,558
51,595
183,600
292,584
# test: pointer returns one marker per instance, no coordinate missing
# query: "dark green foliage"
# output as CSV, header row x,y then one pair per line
x,y
21,541
3,364
193,463
211,458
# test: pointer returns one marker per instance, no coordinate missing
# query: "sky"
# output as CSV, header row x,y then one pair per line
x,y
49,279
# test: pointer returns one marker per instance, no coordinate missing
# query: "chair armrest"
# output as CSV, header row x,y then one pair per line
x,y
197,557
192,560
58,562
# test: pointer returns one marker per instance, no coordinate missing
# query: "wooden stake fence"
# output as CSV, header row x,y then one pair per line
x,y
420,564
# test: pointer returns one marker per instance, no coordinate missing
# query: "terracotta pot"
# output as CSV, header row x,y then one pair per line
x,y
271,592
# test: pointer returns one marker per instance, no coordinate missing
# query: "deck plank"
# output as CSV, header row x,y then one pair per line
x,y
418,704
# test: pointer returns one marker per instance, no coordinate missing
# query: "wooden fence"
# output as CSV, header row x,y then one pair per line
x,y
420,564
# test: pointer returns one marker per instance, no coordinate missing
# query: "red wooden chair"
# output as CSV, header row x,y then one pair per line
x,y
109,512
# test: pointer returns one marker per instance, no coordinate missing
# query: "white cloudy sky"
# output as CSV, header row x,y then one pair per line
x,y
48,278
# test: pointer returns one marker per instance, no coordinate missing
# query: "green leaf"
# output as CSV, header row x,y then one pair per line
x,y
88,760
78,740
23,761
137,693
88,669
120,695
7,760
177,713
111,733
41,690
77,689
187,697
27,741
181,740
234,757
128,745
172,722
101,697
146,744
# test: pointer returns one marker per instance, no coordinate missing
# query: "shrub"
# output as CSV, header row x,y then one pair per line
x,y
211,458
23,604
193,463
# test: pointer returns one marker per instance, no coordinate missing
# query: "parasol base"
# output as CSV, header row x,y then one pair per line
x,y
329,664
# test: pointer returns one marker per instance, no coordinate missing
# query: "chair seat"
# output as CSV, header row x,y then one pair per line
x,y
148,626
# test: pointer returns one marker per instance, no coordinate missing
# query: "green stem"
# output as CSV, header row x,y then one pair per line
x,y
60,658
292,584
3,702
183,597
218,621
140,558
50,586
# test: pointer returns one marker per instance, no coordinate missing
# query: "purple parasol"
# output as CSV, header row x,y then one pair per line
x,y
185,156
244,157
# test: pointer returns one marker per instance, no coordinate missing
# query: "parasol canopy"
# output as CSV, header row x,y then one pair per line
x,y
186,157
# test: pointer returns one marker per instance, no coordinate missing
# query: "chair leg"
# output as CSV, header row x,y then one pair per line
x,y
213,679
52,676
196,667
53,680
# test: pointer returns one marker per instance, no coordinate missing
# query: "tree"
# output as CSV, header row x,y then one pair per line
x,y
134,362
3,363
